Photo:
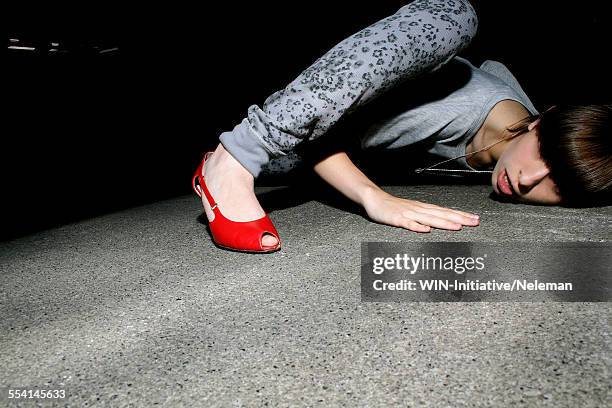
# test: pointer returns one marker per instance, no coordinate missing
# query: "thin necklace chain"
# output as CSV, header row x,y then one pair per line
x,y
431,168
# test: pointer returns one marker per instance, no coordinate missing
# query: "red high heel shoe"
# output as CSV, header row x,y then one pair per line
x,y
243,236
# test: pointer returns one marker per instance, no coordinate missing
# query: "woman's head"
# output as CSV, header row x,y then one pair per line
x,y
563,156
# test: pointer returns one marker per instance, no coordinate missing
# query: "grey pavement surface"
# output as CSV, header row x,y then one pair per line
x,y
139,308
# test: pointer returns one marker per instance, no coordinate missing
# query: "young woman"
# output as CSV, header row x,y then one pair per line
x,y
477,117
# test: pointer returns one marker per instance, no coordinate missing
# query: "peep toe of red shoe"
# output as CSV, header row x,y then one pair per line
x,y
243,236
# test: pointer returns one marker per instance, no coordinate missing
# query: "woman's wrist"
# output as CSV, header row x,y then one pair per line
x,y
369,191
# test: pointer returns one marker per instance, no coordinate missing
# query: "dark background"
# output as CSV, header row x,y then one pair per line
x,y
87,133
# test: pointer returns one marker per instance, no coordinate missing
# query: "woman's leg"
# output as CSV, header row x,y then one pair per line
x,y
281,165
418,38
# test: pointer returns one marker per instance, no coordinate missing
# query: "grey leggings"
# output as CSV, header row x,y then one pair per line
x,y
419,38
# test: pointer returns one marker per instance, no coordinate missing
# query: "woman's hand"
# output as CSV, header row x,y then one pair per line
x,y
416,216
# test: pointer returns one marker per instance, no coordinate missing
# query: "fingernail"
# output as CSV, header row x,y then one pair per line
x,y
475,216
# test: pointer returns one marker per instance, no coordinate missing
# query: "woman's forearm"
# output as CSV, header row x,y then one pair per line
x,y
341,173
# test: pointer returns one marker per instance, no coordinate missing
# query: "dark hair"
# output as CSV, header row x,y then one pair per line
x,y
576,145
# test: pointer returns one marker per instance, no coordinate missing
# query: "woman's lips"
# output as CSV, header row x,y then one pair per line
x,y
504,186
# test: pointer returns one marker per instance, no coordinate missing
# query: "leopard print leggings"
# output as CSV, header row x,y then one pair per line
x,y
420,37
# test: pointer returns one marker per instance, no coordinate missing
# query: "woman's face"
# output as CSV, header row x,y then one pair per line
x,y
520,173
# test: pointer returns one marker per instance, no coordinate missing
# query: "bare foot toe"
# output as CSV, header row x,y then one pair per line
x,y
269,240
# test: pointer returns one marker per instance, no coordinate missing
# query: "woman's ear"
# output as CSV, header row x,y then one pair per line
x,y
533,124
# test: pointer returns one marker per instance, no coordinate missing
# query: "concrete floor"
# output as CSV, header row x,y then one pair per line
x,y
139,308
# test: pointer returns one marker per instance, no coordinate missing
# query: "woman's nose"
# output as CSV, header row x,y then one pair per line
x,y
533,176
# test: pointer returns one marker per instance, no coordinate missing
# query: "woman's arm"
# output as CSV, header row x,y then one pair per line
x,y
340,172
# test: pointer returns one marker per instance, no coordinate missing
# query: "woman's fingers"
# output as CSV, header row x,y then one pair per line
x,y
437,207
451,215
413,225
432,220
